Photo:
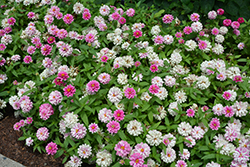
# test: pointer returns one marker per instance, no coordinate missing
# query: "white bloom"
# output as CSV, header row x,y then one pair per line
x,y
223,30
104,10
180,96
218,109
184,129
173,105
231,72
2,104
157,81
117,40
78,8
170,155
84,151
134,128
162,113
218,49
29,85
155,30
105,115
125,45
70,120
203,82
219,38
196,26
162,93
29,141
128,61
154,137
191,45
138,77
213,164
145,96
190,79
168,39
169,140
240,108
169,81
13,99
62,127
115,95
175,58
118,32
104,158
122,79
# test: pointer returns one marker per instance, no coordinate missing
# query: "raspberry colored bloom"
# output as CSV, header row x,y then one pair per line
x,y
51,40
181,41
69,90
130,93
2,32
228,111
238,78
202,45
119,115
86,15
136,160
153,68
247,94
137,64
122,148
31,15
158,39
214,124
27,59
104,58
29,120
63,75
45,111
190,112
122,20
115,16
93,86
227,95
178,35
113,127
68,18
58,81
137,34
11,21
220,11
51,148
46,49
215,31
2,47
153,89
17,126
227,22
168,18
235,24
187,30
62,33
93,128
241,20
7,30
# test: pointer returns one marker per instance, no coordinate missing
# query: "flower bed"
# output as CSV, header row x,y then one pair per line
x,y
121,86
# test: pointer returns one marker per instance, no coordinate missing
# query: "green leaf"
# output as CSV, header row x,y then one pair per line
x,y
158,14
150,116
59,153
145,107
122,135
85,118
5,93
21,138
209,156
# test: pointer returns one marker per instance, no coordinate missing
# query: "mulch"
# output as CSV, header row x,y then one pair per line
x,y
18,151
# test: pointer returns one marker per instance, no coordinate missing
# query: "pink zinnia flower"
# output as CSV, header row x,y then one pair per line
x,y
122,148
187,30
153,89
226,95
69,90
17,126
178,35
86,15
31,49
113,127
202,45
241,20
247,94
93,128
29,120
46,49
51,40
214,124
104,78
241,45
238,78
115,16
228,111
168,18
137,64
201,33
42,133
27,59
104,58
221,77
90,38
220,11
15,82
122,20
227,22
62,33
158,39
2,32
181,41
236,32
31,15
68,18
58,81
45,111
137,34
78,131
3,61
153,68
11,21
181,163
35,40
51,148
130,93
2,47
215,31
116,66
235,24
59,15
130,12
63,75
7,30
136,160
205,108
93,86
119,115
190,112
195,17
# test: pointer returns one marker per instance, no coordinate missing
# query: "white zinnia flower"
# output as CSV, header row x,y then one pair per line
x,y
154,137
104,158
191,45
70,120
170,155
122,79
203,82
180,96
184,129
134,128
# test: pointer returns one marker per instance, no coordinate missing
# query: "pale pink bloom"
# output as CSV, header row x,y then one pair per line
x,y
236,32
130,93
69,90
122,148
62,33
178,35
113,127
158,39
181,163
93,128
59,15
45,111
90,38
51,148
247,94
7,30
68,18
214,124
221,77
241,45
48,19
192,141
153,89
55,97
47,62
181,41
201,33
136,160
168,18
130,12
46,49
195,17
119,115
212,15
78,131
104,78
228,111
42,133
53,10
143,149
